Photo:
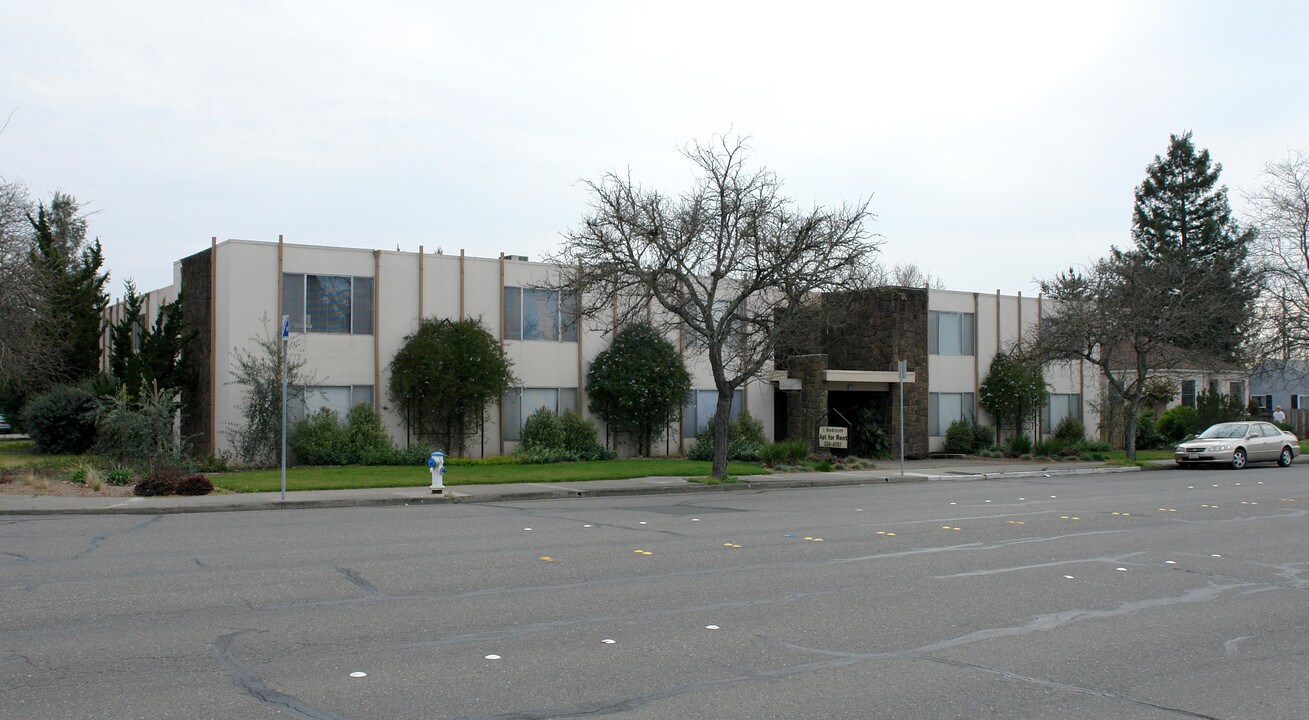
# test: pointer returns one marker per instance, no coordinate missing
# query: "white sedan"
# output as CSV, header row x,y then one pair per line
x,y
1237,444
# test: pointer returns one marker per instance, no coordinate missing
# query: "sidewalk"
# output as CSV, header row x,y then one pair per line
x,y
915,471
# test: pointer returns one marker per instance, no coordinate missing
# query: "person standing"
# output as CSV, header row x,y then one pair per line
x,y
1279,416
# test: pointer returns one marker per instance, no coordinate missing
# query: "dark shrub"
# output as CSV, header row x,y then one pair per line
x,y
1178,422
1018,446
172,480
983,437
785,452
119,476
193,485
959,438
1147,435
320,439
745,440
542,430
62,421
1070,431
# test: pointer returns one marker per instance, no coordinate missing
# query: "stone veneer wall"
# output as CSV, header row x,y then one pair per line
x,y
871,330
806,407
197,395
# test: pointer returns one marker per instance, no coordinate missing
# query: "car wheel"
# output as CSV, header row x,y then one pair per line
x,y
1284,460
1238,459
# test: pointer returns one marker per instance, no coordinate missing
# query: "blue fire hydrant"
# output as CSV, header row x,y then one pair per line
x,y
436,463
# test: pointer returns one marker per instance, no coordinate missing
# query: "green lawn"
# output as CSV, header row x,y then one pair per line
x,y
372,476
18,454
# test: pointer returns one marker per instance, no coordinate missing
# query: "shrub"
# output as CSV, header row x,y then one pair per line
x,y
365,434
320,439
119,476
823,466
580,436
62,420
551,438
542,430
1018,446
785,452
138,431
1178,422
959,438
173,481
983,437
745,440
868,437
1070,431
1147,435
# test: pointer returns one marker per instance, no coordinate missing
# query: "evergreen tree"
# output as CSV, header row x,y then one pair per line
x,y
124,337
638,384
1013,390
147,358
1182,216
71,283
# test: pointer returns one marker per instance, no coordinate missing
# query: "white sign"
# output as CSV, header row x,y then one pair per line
x,y
833,437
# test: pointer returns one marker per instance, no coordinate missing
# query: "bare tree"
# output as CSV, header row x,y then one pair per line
x,y
1119,313
906,275
1279,208
27,357
730,260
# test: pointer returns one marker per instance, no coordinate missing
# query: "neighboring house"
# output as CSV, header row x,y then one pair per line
x,y
1282,383
351,310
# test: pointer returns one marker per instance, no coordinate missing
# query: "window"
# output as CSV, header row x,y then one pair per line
x,y
1188,393
946,408
1295,402
700,406
949,333
1266,403
339,398
339,304
520,403
539,314
1236,390
1059,406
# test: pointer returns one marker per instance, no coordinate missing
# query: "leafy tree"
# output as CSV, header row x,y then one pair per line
x,y
148,359
28,358
72,285
443,378
1013,390
638,384
258,439
1182,215
730,261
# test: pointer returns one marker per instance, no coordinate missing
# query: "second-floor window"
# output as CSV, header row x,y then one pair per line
x,y
949,333
539,314
328,303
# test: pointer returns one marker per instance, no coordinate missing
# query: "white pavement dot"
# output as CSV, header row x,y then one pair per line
x,y
1190,487
358,674
527,528
641,522
1068,577
695,519
1122,569
1238,484
1261,482
1054,496
1215,556
1022,498
954,503
1170,562
1047,474
988,501
711,627
492,657
607,641
586,526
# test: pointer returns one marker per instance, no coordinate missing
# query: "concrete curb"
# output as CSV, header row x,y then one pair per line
x,y
515,493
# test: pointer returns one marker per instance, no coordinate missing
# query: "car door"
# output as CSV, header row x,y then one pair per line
x,y
1270,444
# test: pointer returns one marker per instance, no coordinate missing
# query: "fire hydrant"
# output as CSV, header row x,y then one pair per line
x,y
436,463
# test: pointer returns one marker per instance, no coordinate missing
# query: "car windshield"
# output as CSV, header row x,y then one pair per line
x,y
1226,430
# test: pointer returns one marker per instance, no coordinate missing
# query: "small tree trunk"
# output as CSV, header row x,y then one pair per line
x,y
722,416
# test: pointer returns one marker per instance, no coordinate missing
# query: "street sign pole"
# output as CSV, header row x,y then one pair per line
x,y
286,336
901,368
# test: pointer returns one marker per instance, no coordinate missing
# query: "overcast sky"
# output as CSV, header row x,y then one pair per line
x,y
999,142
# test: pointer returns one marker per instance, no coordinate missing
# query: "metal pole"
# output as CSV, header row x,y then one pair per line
x,y
901,399
286,331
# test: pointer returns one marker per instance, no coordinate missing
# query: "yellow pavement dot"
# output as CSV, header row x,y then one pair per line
x,y
890,534
818,539
945,527
956,528
727,544
1063,517
1286,499
807,537
546,558
736,546
1076,518
881,532
1127,514
1117,513
646,552
1172,509
1015,522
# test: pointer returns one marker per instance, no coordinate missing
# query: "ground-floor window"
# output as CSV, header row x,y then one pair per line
x,y
700,407
520,403
339,398
946,408
1188,393
1059,406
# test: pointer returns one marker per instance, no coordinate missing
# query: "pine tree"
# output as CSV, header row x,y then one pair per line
x,y
1182,216
71,283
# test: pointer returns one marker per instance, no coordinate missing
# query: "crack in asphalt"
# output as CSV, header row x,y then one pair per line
x,y
360,581
1068,688
252,683
1040,623
99,540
